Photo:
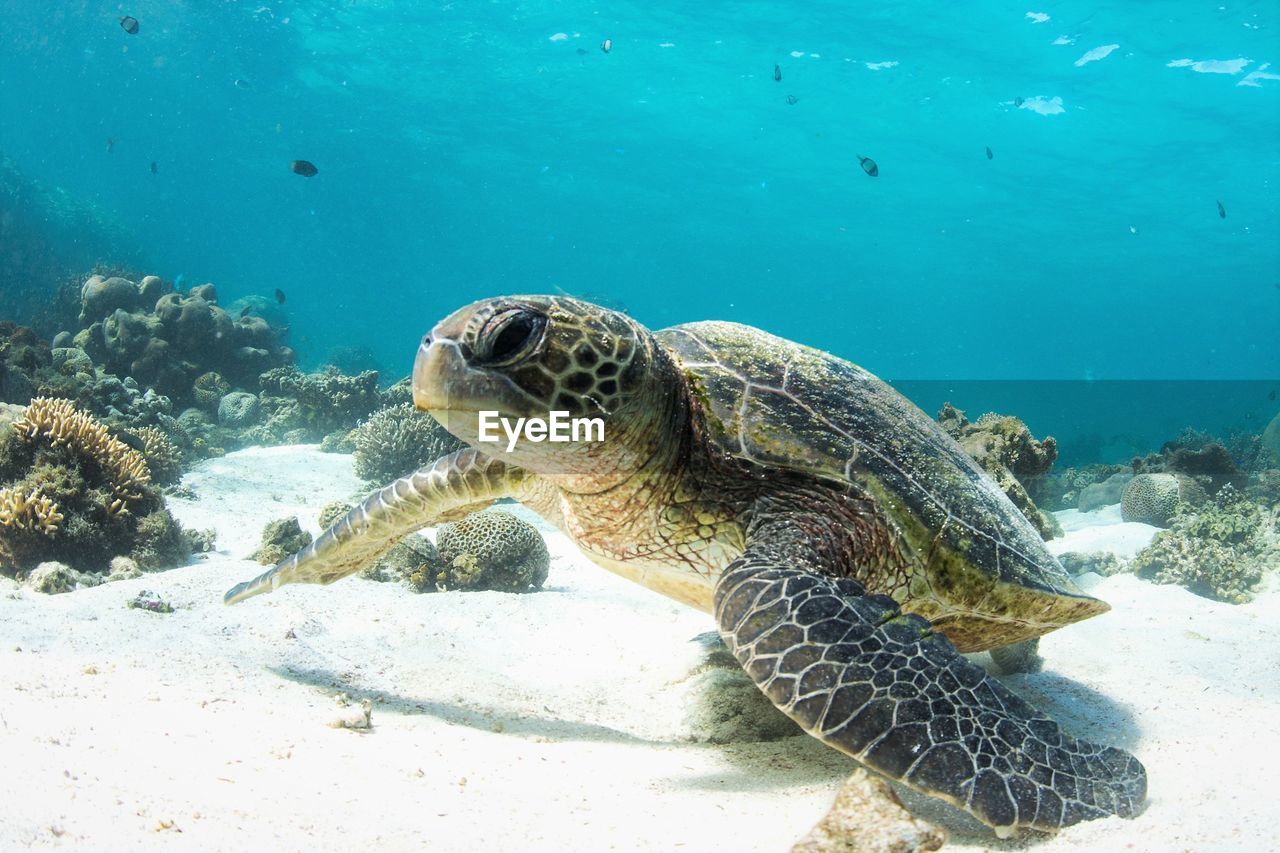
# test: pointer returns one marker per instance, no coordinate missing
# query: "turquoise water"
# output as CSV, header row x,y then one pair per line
x,y
467,149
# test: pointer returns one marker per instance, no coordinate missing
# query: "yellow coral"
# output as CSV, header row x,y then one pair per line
x,y
31,511
60,424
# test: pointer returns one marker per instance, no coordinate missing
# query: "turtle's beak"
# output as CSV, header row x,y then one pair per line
x,y
448,387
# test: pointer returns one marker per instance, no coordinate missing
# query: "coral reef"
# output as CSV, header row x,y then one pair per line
x,y
399,440
1265,489
280,539
181,344
1006,450
1210,465
1153,498
305,407
1219,550
72,492
492,550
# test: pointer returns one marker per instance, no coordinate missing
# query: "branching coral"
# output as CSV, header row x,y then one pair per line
x,y
164,458
71,492
397,441
59,423
31,512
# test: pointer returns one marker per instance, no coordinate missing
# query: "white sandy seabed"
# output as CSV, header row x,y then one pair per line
x,y
563,720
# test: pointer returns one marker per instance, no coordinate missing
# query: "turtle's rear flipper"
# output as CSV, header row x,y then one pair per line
x,y
450,488
882,686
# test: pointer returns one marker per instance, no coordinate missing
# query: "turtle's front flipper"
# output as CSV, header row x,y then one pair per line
x,y
460,483
882,686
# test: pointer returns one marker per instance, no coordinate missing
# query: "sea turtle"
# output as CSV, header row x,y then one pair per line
x,y
847,547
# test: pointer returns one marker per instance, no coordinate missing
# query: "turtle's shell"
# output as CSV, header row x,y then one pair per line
x,y
987,577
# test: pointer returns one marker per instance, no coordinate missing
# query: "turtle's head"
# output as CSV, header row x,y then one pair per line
x,y
560,387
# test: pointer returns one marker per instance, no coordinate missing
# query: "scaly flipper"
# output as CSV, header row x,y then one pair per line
x,y
450,488
883,687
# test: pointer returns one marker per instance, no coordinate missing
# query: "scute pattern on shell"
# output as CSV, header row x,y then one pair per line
x,y
494,550
785,405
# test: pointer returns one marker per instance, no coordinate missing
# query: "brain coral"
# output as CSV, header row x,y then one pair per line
x,y
492,550
1150,499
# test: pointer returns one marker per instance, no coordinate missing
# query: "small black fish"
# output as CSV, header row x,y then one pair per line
x,y
1222,211
606,45
1017,102
582,51
791,99
868,165
129,24
777,74
1272,395
989,154
279,294
131,440
155,169
305,168
111,143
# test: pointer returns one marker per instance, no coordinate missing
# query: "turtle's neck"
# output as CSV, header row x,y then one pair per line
x,y
645,443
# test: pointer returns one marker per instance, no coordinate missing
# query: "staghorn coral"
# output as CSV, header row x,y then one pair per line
x,y
492,550
1219,550
59,423
59,466
30,512
399,440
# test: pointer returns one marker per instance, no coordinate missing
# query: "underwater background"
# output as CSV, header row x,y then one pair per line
x,y
1110,271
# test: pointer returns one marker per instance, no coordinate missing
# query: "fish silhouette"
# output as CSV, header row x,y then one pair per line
x,y
868,165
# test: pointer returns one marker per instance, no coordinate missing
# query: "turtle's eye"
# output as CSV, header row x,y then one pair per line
x,y
509,336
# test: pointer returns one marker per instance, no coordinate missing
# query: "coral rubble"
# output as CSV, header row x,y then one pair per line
x,y
281,538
